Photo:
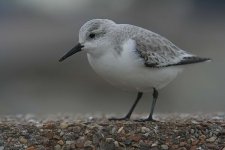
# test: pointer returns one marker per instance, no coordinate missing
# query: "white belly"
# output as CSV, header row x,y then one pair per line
x,y
127,71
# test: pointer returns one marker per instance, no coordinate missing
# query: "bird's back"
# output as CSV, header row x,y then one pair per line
x,y
156,50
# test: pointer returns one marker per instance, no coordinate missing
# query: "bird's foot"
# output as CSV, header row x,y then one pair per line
x,y
117,119
146,119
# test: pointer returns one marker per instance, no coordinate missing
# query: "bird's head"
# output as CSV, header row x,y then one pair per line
x,y
94,37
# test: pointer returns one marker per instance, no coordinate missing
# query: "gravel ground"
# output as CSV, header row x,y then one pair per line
x,y
55,132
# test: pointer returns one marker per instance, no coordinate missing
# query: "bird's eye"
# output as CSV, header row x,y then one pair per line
x,y
92,35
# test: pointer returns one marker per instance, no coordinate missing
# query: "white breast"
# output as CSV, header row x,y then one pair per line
x,y
127,69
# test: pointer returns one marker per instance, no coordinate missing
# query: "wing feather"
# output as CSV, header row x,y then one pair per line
x,y
157,51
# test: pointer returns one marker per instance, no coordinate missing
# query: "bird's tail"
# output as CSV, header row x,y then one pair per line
x,y
192,60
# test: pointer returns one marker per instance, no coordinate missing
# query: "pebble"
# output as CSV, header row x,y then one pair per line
x,y
60,142
76,129
144,129
212,139
211,146
144,146
193,148
127,142
120,129
154,148
31,148
23,140
134,138
110,144
1,147
116,143
57,147
109,140
61,133
183,143
155,144
194,142
69,142
113,130
174,146
80,142
95,139
64,125
56,137
88,144
164,147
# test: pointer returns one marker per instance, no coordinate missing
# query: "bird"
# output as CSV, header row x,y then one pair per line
x,y
132,58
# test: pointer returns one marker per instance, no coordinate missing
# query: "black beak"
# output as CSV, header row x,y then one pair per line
x,y
74,50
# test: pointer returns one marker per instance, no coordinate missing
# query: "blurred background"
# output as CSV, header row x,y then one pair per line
x,y
34,34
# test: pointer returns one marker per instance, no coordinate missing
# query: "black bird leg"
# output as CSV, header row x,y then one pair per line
x,y
155,96
127,117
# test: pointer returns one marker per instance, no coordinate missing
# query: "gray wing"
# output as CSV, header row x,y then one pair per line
x,y
157,51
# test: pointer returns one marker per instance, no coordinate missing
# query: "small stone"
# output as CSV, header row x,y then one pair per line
x,y
144,146
202,137
135,138
80,142
56,137
211,146
193,148
113,131
154,148
127,142
144,129
210,134
155,144
109,140
194,142
120,129
146,135
95,139
69,142
23,140
116,143
196,135
1,147
49,125
87,143
110,144
212,139
192,131
183,143
77,129
223,148
182,148
60,142
57,147
174,146
61,133
31,148
49,135
164,147
64,125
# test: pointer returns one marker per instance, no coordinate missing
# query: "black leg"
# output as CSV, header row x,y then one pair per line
x,y
139,95
155,96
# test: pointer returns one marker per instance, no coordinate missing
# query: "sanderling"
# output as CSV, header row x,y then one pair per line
x,y
131,58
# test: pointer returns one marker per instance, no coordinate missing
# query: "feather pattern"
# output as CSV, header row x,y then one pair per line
x,y
157,51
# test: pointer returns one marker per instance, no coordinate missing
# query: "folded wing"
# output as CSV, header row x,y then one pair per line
x,y
157,51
